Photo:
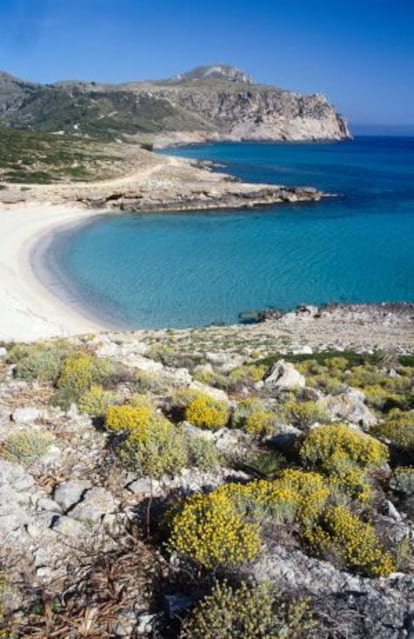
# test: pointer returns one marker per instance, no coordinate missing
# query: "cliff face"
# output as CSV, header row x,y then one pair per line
x,y
218,102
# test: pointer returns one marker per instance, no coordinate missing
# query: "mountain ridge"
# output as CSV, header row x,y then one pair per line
x,y
212,102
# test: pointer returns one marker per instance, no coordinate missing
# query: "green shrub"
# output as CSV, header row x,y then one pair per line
x,y
252,415
247,375
154,448
40,361
322,443
27,445
210,532
294,495
95,401
80,370
352,542
303,413
402,481
202,453
345,456
398,427
206,412
248,611
266,463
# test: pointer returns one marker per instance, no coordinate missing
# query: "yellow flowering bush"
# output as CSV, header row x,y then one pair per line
x,y
252,415
95,401
294,495
206,412
127,417
248,611
352,541
399,427
154,447
209,531
321,444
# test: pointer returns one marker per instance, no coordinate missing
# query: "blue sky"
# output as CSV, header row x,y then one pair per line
x,y
359,52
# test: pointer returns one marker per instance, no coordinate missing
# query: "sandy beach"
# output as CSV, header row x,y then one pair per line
x,y
29,310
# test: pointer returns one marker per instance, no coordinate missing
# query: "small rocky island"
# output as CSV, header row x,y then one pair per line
x,y
211,483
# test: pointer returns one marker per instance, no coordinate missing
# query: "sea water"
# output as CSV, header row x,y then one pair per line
x,y
191,269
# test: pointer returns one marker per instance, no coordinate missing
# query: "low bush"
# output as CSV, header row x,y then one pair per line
x,y
27,445
96,401
351,542
210,532
128,418
303,413
322,444
80,370
252,415
248,611
206,412
402,481
294,495
398,427
40,361
345,456
202,453
154,447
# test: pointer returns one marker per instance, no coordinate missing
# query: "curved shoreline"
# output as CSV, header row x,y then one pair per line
x,y
29,309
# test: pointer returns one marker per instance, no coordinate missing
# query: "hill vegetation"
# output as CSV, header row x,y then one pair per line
x,y
168,491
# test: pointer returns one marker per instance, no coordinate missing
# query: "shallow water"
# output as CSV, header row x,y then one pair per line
x,y
189,269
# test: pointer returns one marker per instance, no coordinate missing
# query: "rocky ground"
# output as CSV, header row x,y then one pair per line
x,y
152,182
84,540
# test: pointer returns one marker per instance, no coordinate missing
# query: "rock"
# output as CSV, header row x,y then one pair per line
x,y
348,406
73,411
380,607
70,492
26,415
145,487
96,503
215,393
15,476
145,623
391,510
302,350
3,352
226,362
194,431
48,505
227,439
69,527
284,376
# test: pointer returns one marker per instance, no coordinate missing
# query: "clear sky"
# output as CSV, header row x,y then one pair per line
x,y
359,52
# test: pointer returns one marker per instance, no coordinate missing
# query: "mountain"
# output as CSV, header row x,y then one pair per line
x,y
210,102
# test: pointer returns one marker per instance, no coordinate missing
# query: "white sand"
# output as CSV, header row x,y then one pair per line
x,y
28,310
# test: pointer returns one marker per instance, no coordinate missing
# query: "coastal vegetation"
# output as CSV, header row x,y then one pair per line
x,y
212,482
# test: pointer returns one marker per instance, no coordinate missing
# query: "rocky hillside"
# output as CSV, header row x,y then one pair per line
x,y
216,102
150,481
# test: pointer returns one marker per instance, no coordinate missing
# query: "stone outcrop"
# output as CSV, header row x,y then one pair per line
x,y
214,102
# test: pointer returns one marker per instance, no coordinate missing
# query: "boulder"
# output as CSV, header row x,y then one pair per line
x,y
348,406
96,503
214,393
70,492
26,415
284,376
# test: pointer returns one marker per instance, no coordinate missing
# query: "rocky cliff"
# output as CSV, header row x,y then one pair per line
x,y
216,102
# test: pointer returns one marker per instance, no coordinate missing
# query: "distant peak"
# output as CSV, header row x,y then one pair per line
x,y
214,72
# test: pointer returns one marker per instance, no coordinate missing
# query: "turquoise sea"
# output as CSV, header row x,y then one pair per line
x,y
192,269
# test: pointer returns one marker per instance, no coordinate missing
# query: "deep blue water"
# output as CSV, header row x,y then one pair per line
x,y
179,270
